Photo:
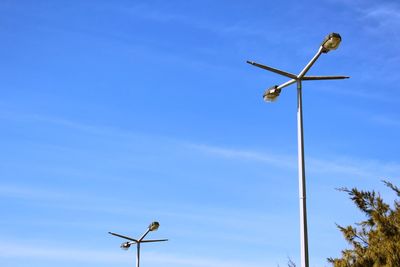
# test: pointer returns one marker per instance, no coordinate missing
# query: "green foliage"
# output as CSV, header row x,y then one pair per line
x,y
374,242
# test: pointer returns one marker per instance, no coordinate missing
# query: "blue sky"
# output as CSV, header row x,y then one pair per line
x,y
117,113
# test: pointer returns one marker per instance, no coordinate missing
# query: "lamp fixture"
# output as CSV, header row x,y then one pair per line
x,y
271,94
331,42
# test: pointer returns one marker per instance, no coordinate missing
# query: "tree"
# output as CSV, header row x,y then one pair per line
x,y
374,242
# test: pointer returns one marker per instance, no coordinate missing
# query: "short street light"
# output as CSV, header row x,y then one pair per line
x,y
126,245
331,42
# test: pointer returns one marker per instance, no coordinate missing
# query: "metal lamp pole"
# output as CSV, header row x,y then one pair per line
x,y
126,245
331,42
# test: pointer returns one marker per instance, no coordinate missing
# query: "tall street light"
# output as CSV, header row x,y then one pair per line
x,y
331,42
126,245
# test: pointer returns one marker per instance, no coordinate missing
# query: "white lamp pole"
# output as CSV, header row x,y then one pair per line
x,y
331,42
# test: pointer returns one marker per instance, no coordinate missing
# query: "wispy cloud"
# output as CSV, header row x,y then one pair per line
x,y
15,191
197,261
377,17
226,220
22,250
343,165
82,255
13,115
273,159
385,120
148,12
92,202
384,16
59,199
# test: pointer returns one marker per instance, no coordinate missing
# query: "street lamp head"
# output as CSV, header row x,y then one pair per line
x,y
154,226
331,42
125,245
271,94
